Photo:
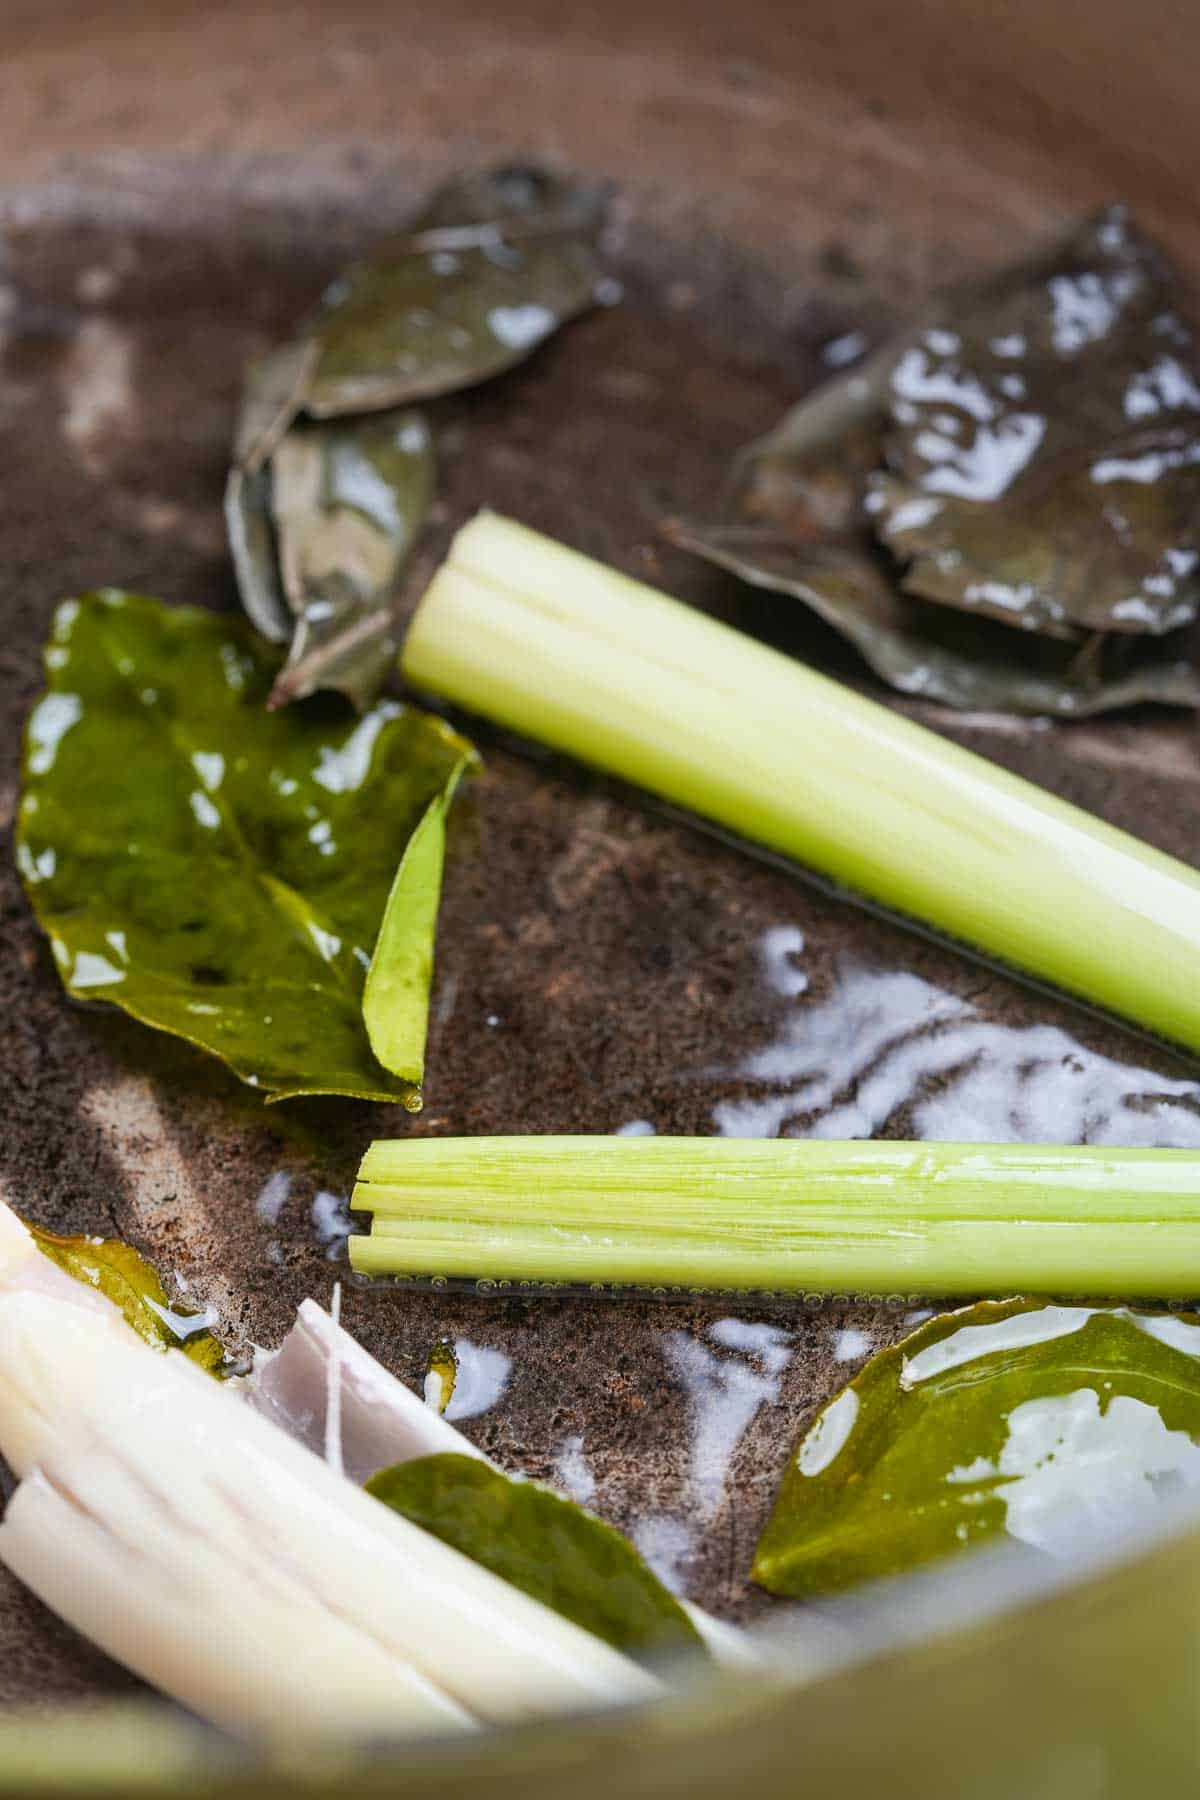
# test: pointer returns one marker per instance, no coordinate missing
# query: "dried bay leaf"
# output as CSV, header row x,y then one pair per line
x,y
497,259
218,871
252,546
1061,1425
275,390
495,263
796,519
320,537
1043,443
548,1547
348,500
1026,453
934,654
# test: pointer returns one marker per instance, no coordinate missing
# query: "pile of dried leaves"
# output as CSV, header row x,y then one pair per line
x,y
999,506
334,467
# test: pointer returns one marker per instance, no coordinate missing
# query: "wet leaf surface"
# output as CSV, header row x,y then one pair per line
x,y
395,1003
322,518
1063,1426
252,546
274,392
810,511
496,262
218,871
348,502
548,1547
1044,443
125,1277
929,652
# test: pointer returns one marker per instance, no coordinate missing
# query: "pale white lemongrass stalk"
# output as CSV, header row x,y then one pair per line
x,y
383,1422
333,1389
728,1645
73,1379
23,1265
230,1633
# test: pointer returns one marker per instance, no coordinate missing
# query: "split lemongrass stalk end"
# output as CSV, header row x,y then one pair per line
x,y
382,1422
793,1215
551,644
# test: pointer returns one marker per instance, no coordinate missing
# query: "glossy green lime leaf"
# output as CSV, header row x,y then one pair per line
x,y
1060,1425
219,871
396,997
124,1276
545,1545
496,262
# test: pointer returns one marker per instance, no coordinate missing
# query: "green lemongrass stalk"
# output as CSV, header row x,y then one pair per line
x,y
565,650
787,1214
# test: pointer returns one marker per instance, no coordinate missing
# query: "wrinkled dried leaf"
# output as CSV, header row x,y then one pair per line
x,y
1062,1425
1044,444
935,654
348,502
216,870
273,393
493,265
794,520
252,546
321,520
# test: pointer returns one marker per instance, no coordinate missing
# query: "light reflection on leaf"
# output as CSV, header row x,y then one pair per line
x,y
219,871
1063,1426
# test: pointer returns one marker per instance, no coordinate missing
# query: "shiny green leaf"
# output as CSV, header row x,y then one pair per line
x,y
1061,1425
498,260
396,996
124,1276
219,871
547,1546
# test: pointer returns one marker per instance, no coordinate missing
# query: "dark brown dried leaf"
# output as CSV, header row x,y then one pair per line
x,y
321,537
273,393
252,546
1044,443
496,262
928,651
